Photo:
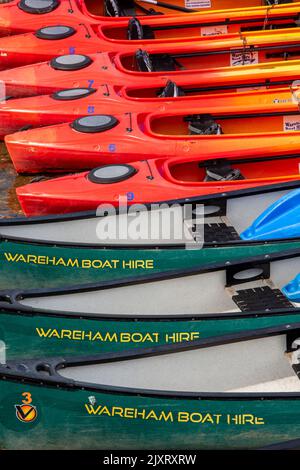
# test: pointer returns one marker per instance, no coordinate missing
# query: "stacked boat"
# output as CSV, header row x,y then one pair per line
x,y
150,294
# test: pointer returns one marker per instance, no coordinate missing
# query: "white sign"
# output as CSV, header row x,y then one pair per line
x,y
243,58
214,30
194,4
291,123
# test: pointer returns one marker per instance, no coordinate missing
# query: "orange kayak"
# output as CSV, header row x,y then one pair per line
x,y
29,15
154,181
94,140
67,105
49,42
271,61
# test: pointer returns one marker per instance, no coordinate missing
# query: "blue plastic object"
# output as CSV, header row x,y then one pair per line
x,y
292,290
280,220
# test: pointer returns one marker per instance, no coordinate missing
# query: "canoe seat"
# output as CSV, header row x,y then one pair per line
x,y
155,62
261,299
171,90
219,232
203,124
221,170
277,2
113,8
136,31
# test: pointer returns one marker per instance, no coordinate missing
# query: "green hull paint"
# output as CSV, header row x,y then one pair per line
x,y
28,265
141,422
41,335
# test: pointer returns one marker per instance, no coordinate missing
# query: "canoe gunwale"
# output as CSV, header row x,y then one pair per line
x,y
30,370
10,300
140,246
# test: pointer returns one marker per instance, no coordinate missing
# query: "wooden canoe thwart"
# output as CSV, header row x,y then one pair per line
x,y
238,392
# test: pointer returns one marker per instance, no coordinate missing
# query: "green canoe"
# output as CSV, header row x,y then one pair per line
x,y
241,392
163,308
71,249
27,264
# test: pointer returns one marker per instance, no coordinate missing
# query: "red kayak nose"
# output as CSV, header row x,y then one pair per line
x,y
21,16
70,71
85,191
46,43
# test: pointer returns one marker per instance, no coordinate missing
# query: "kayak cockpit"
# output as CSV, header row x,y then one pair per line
x,y
144,29
125,8
142,61
210,172
227,124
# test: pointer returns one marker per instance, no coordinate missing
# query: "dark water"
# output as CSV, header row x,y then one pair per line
x,y
9,181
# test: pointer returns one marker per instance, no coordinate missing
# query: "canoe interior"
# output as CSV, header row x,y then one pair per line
x,y
241,124
208,60
260,365
195,172
249,288
97,7
198,29
86,230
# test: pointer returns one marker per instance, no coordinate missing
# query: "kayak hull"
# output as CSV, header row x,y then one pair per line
x,y
46,110
16,21
24,49
106,71
79,192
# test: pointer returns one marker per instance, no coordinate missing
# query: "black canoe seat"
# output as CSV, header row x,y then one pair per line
x,y
260,299
220,170
277,2
116,8
203,124
155,62
136,31
171,90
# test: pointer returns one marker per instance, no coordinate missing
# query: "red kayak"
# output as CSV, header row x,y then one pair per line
x,y
270,62
153,181
93,140
29,15
70,104
51,41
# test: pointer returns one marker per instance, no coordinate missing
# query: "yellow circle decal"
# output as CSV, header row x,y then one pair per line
x,y
26,413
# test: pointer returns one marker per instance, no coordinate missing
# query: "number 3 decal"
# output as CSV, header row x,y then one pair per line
x,y
27,400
